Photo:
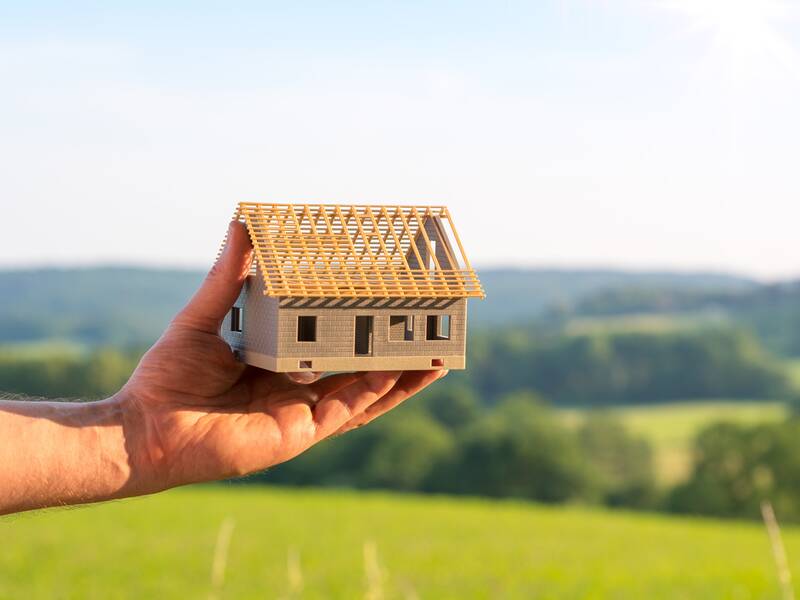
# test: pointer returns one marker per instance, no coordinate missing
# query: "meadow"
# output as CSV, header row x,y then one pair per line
x,y
339,544
670,428
793,369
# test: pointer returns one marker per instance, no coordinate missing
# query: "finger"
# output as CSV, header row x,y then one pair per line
x,y
305,377
223,283
331,383
337,408
409,384
320,387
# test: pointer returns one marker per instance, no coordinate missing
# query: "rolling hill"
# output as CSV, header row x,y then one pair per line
x,y
131,306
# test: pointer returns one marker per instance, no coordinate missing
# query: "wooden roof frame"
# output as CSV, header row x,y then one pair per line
x,y
356,251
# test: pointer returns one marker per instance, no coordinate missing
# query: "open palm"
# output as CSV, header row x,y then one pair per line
x,y
204,416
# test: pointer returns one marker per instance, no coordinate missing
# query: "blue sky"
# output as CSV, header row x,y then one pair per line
x,y
631,133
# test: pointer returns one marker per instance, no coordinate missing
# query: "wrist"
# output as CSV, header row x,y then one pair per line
x,y
136,449
103,428
110,431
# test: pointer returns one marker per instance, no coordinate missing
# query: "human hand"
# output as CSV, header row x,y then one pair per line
x,y
194,413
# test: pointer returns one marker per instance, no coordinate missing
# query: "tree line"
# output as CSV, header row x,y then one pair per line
x,y
604,369
56,373
607,369
520,448
446,442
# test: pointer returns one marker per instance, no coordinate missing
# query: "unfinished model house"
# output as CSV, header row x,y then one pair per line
x,y
352,288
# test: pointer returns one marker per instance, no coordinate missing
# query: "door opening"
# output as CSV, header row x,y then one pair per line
x,y
363,336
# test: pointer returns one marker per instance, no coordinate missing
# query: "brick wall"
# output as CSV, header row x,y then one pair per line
x,y
336,331
259,320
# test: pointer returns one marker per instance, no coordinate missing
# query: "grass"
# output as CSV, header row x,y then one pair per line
x,y
670,428
324,544
793,370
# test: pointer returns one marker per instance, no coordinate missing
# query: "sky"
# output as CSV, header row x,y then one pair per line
x,y
639,134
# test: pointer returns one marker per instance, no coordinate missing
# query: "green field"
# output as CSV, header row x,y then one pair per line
x,y
315,544
670,428
793,369
640,323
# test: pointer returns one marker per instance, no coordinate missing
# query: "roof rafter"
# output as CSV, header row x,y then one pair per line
x,y
359,251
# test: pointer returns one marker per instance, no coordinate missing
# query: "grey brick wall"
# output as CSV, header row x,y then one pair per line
x,y
259,319
336,331
434,235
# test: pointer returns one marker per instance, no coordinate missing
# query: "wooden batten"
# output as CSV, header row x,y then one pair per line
x,y
356,251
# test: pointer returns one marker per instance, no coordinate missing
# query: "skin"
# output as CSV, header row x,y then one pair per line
x,y
189,413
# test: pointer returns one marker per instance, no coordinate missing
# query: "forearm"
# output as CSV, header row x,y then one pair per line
x,y
60,453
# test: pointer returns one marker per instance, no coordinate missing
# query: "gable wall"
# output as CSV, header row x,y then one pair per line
x,y
259,318
434,234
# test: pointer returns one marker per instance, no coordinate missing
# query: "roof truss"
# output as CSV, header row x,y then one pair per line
x,y
339,251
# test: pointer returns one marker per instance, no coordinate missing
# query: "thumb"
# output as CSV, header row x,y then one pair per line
x,y
222,285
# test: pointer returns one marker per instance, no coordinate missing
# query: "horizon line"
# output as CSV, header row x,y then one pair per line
x,y
493,267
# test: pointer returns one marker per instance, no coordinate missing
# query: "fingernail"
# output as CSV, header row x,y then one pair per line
x,y
443,373
304,376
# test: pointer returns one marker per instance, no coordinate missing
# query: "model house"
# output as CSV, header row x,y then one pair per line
x,y
352,288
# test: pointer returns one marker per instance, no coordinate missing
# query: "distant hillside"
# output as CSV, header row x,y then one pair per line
x,y
524,294
131,306
121,306
770,311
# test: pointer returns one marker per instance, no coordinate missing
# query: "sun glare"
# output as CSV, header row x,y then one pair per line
x,y
746,31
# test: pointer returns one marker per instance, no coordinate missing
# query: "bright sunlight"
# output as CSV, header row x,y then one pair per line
x,y
747,32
